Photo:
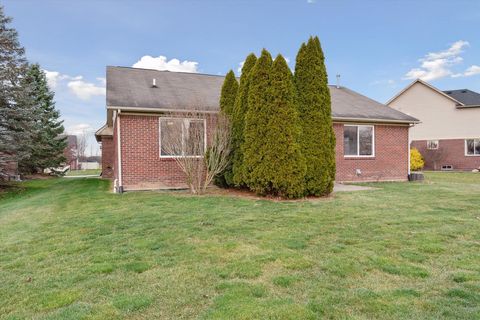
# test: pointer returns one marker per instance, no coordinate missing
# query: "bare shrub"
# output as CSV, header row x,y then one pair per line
x,y
184,137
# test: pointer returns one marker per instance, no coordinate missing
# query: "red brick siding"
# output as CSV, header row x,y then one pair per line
x,y
107,157
449,152
142,166
390,161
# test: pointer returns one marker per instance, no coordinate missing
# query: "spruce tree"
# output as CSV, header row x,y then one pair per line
x,y
227,102
15,106
46,149
314,106
238,121
282,168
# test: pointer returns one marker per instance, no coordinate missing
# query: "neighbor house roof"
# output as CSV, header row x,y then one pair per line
x,y
467,97
135,89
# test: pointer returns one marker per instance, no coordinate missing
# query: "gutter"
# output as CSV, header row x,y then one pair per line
x,y
375,120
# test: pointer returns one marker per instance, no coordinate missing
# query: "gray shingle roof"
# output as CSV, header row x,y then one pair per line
x,y
132,88
465,96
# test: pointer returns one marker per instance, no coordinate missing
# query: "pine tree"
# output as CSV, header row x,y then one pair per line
x,y
227,102
46,149
15,106
282,169
314,106
238,120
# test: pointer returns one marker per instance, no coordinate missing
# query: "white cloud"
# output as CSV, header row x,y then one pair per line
x,y
471,71
85,90
53,78
436,65
80,128
161,63
240,66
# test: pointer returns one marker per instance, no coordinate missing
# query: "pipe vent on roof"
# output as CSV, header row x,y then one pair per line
x,y
154,83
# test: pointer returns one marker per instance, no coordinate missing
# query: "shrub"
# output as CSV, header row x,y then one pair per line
x,y
416,160
314,105
238,121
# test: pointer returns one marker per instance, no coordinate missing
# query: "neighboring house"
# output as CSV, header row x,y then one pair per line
x,y
372,139
448,136
70,152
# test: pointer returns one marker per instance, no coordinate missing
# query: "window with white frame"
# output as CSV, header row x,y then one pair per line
x,y
472,147
358,141
182,137
432,144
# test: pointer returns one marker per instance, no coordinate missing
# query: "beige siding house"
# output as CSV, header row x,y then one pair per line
x,y
449,133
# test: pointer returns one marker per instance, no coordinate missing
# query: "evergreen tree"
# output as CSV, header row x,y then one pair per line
x,y
282,169
238,120
227,102
314,106
46,149
15,106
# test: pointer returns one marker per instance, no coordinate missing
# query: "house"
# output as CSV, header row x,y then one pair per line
x,y
449,135
372,139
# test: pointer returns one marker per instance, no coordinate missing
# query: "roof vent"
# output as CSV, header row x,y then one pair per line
x,y
464,91
154,83
338,81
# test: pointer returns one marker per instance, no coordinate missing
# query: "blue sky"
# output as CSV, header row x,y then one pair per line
x,y
376,46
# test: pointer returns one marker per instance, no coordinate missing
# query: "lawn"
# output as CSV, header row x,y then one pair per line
x,y
70,249
85,172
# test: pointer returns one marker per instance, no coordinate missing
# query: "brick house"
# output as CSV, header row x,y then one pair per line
x,y
372,139
449,135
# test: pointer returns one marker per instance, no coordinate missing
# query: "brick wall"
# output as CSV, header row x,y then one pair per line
x,y
390,161
107,157
142,167
449,152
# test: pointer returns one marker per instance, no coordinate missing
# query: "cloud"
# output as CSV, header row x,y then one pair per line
x,y
240,66
86,90
161,63
80,128
436,65
471,71
53,78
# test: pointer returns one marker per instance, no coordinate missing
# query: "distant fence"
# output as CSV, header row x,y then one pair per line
x,y
89,165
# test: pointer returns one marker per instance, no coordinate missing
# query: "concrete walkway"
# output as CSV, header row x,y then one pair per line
x,y
340,187
84,176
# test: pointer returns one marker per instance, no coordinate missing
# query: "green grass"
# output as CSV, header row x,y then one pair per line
x,y
70,249
84,172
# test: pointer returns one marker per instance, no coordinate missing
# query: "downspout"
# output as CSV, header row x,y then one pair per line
x,y
409,142
119,155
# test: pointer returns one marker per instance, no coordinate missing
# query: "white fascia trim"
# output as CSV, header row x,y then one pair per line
x,y
366,120
156,110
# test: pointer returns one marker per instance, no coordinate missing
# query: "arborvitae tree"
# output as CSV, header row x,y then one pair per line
x,y
282,167
46,149
256,120
227,102
314,106
238,120
15,118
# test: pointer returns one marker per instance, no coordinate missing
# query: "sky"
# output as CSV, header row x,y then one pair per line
x,y
377,47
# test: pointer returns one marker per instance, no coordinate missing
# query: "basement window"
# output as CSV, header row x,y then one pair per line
x,y
432,144
182,137
472,147
358,141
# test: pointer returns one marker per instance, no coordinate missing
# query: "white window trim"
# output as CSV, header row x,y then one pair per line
x,y
184,119
466,147
438,144
358,142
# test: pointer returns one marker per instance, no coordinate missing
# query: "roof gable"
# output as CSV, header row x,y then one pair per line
x,y
426,84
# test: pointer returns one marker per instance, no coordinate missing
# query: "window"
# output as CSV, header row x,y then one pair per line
x,y
358,141
432,144
182,137
472,147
